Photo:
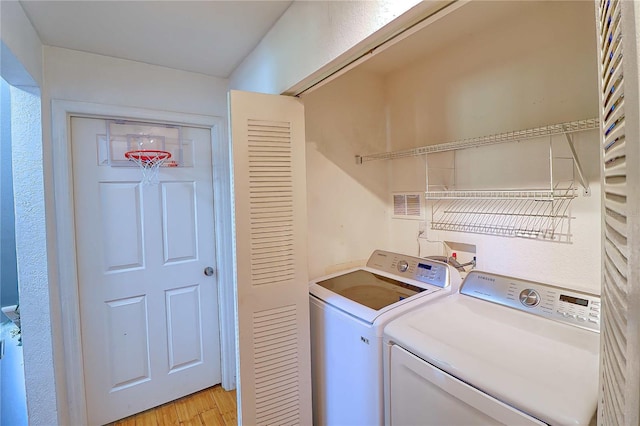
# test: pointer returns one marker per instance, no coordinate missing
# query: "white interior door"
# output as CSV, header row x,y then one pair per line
x,y
269,183
149,314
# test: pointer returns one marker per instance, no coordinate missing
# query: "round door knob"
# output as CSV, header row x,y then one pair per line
x,y
403,265
529,297
208,271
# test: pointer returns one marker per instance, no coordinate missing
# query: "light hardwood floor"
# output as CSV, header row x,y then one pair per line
x,y
213,406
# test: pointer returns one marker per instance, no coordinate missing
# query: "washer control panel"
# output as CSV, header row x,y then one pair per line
x,y
424,270
568,306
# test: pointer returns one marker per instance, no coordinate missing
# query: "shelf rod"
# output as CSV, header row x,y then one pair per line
x,y
583,181
518,135
532,215
531,195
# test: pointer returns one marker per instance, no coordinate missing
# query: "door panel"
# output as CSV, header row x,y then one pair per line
x,y
271,259
122,225
149,315
184,328
179,221
127,328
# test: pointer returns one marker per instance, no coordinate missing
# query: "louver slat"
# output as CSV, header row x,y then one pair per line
x,y
615,184
615,116
616,243
615,253
615,134
616,221
614,41
611,393
615,358
618,205
615,148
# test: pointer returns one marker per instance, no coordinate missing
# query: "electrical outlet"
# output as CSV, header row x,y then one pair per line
x,y
422,229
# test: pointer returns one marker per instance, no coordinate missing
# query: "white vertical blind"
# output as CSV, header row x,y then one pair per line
x,y
620,154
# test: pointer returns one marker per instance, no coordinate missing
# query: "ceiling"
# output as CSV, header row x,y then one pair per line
x,y
438,35
208,37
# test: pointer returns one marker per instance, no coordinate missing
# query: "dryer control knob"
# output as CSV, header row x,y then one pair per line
x,y
529,298
403,266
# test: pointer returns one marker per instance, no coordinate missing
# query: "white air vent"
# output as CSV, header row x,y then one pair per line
x,y
408,205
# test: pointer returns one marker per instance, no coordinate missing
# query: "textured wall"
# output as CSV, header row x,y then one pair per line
x,y
22,66
32,256
8,272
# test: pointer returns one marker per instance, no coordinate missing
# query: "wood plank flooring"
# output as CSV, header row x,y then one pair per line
x,y
210,407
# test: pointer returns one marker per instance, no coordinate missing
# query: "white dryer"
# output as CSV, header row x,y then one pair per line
x,y
501,351
348,313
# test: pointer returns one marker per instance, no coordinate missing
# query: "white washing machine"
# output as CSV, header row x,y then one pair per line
x,y
501,351
348,313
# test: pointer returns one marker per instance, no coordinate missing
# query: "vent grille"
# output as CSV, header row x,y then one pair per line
x,y
270,202
275,347
408,206
616,248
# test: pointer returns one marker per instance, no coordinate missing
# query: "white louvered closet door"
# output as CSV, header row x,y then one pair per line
x,y
620,154
268,144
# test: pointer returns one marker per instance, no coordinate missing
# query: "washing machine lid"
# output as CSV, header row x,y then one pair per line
x,y
367,294
372,290
388,281
544,368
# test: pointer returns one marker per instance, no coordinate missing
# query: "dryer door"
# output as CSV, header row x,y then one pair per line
x,y
423,394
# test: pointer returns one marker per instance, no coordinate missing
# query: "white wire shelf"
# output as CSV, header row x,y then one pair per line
x,y
518,135
534,194
502,231
540,214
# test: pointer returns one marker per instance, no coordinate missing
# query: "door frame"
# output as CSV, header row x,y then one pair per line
x,y
67,275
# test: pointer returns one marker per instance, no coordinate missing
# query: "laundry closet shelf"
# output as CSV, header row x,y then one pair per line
x,y
539,214
535,194
517,135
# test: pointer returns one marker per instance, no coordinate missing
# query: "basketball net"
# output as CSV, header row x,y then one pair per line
x,y
149,162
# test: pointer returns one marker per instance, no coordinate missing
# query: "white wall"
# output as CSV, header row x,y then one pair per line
x,y
312,34
21,39
347,205
526,70
79,76
535,69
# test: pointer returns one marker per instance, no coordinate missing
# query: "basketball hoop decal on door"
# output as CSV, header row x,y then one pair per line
x,y
149,161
